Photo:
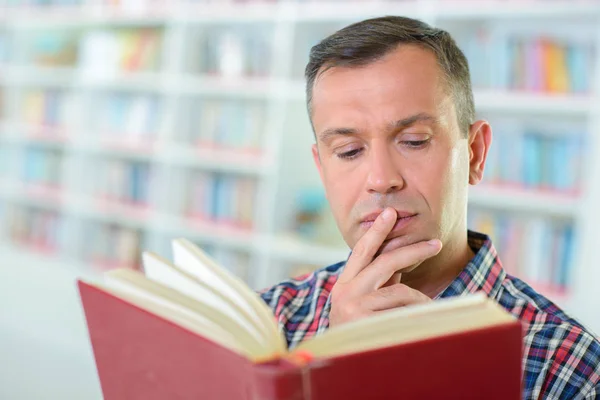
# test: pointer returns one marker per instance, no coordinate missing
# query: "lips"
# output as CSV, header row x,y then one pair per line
x,y
373,216
403,220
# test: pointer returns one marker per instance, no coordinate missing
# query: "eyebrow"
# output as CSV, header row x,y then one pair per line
x,y
327,134
413,119
423,117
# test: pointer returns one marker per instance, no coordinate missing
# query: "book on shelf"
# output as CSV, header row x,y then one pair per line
x,y
4,48
106,53
536,249
53,48
537,159
48,113
524,62
38,230
42,167
233,52
222,199
235,125
190,329
122,181
109,246
129,119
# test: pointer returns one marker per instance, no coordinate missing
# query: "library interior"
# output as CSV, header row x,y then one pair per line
x,y
127,123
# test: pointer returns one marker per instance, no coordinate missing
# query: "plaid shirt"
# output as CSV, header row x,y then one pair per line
x,y
562,359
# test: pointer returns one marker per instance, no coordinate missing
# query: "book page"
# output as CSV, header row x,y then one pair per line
x,y
206,320
408,324
193,322
195,262
162,271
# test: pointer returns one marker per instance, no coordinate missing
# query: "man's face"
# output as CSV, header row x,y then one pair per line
x,y
387,136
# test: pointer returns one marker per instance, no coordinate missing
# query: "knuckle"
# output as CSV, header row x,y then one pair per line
x,y
386,259
401,290
351,309
360,249
387,292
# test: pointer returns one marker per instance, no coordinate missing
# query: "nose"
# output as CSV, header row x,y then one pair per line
x,y
384,174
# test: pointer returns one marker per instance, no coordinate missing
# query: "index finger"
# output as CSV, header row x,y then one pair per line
x,y
367,246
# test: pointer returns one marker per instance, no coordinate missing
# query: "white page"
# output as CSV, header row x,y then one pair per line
x,y
159,271
210,330
193,261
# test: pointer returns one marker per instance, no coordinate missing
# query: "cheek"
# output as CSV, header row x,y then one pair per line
x,y
453,188
339,190
457,173
343,190
439,178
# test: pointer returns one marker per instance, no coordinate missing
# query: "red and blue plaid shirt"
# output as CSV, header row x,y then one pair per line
x,y
562,358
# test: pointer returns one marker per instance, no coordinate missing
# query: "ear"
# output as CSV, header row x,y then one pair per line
x,y
317,160
480,139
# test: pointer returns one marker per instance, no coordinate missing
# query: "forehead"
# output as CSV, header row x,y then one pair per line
x,y
406,81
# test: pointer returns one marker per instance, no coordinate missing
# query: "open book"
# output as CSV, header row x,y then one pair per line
x,y
190,329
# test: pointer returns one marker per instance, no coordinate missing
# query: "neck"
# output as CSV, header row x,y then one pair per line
x,y
435,274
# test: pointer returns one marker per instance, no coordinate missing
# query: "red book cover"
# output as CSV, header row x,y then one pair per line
x,y
142,356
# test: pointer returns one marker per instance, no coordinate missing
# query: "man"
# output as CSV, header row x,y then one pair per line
x,y
397,145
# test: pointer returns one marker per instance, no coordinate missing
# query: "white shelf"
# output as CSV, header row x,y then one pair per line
x,y
294,250
322,11
131,217
132,81
217,159
490,100
61,77
520,9
172,13
208,233
229,13
245,87
237,161
34,17
162,83
284,248
537,103
524,201
328,11
74,77
265,87
43,136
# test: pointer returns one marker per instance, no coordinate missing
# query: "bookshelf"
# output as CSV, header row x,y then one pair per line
x,y
118,123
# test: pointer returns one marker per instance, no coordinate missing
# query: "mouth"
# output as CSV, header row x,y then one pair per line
x,y
403,220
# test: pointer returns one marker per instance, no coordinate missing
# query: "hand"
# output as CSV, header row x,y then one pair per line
x,y
371,282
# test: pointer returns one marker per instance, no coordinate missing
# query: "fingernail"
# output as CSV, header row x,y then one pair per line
x,y
434,243
387,214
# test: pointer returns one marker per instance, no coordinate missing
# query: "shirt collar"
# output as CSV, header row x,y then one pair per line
x,y
484,273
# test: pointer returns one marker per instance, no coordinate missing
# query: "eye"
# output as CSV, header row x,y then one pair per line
x,y
349,155
415,144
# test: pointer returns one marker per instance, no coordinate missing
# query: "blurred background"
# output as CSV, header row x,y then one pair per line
x,y
126,123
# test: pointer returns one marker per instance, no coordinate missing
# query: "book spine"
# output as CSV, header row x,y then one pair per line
x,y
535,249
280,380
537,63
537,158
37,230
109,246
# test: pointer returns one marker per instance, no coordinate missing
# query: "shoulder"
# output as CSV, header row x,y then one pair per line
x,y
562,357
293,295
301,305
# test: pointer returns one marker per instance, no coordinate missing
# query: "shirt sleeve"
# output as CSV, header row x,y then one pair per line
x,y
594,393
574,365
